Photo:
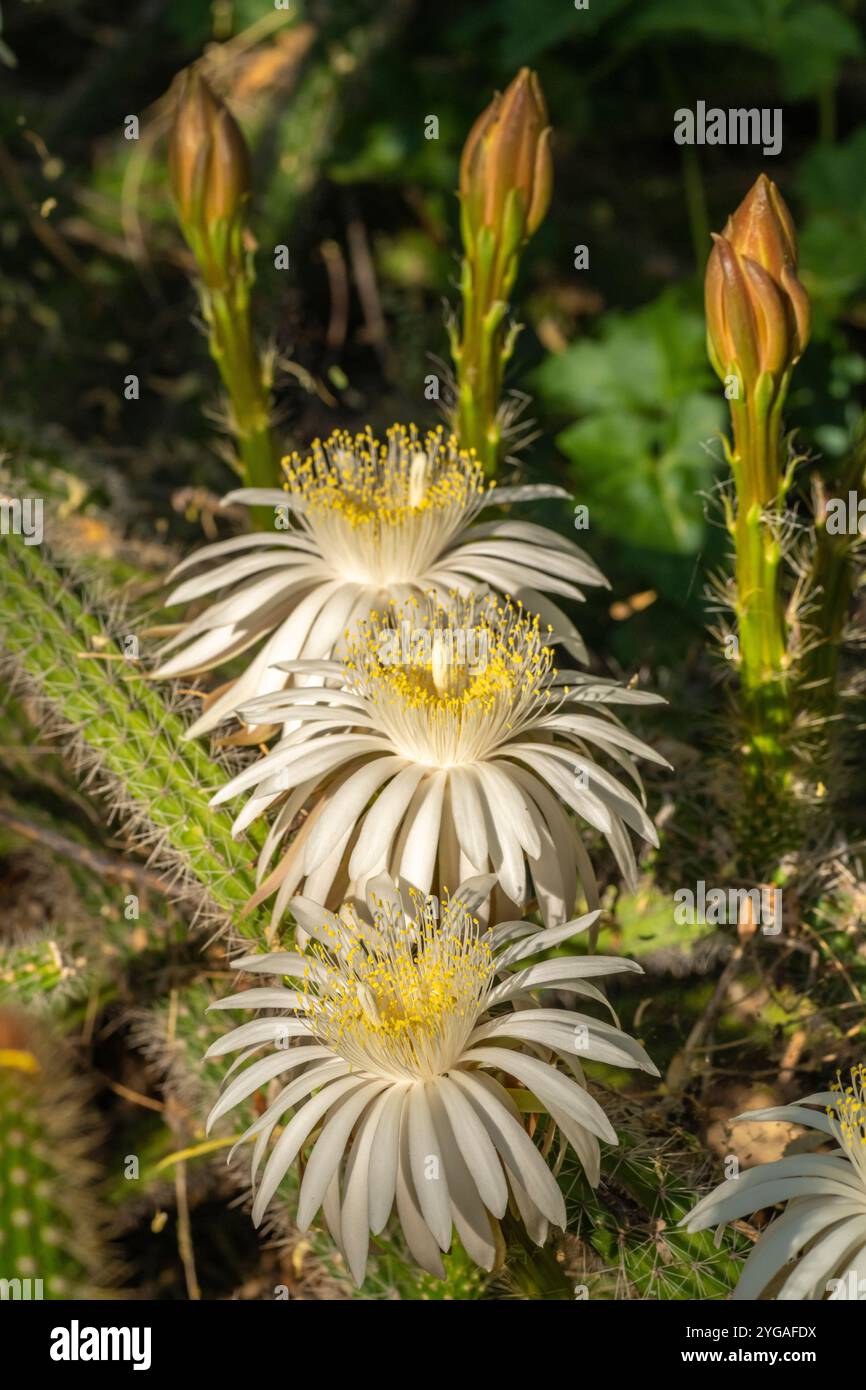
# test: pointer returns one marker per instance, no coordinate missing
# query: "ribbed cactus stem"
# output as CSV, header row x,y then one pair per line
x,y
119,729
33,971
761,485
52,1242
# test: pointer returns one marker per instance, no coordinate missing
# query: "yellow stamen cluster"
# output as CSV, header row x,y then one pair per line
x,y
451,662
400,997
849,1112
373,484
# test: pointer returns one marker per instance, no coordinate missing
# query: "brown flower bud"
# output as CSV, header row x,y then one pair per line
x,y
208,164
757,310
506,169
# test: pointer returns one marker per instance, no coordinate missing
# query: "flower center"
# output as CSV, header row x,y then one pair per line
x,y
447,683
383,513
401,998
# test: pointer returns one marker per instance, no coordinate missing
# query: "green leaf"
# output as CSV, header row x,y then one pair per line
x,y
640,452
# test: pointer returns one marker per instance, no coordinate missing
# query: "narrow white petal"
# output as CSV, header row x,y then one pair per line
x,y
428,1167
785,1238
421,833
259,1031
381,822
478,1150
328,1150
347,807
421,1244
813,1271
384,1158
559,972
355,1215
513,1143
262,1072
467,1207
287,1147
549,1085
468,816
543,940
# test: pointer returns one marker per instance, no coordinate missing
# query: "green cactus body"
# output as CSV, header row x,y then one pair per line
x,y
52,1242
67,653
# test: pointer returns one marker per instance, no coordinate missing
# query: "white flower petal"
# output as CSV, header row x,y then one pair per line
x,y
427,1166
476,1147
768,1184
421,1243
549,1085
543,940
468,1211
260,1073
810,1277
381,822
347,808
559,973
327,1152
287,1147
420,835
785,1237
468,815
260,1030
361,1176
385,1157
513,1143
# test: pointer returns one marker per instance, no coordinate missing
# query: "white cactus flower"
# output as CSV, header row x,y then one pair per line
x,y
363,523
434,769
817,1248
399,1031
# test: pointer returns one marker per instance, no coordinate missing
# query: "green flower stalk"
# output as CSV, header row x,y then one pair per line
x,y
757,329
210,178
506,176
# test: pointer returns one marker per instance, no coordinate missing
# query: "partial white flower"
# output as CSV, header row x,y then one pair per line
x,y
817,1248
399,1033
432,769
363,523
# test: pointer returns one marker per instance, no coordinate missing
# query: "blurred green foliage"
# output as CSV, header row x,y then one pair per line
x,y
640,448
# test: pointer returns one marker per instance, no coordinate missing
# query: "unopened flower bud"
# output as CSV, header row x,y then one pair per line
x,y
758,313
209,169
506,170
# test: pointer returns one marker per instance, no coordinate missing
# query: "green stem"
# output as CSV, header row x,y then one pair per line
x,y
482,351
761,484
227,312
